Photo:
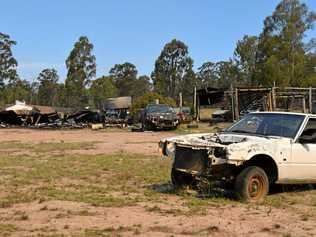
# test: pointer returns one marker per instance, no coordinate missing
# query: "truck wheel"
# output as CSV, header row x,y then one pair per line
x,y
181,179
252,184
148,127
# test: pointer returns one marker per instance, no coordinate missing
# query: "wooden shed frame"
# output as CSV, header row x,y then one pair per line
x,y
272,94
307,95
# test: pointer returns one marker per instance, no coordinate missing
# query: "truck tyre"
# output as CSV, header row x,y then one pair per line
x,y
181,179
252,184
148,127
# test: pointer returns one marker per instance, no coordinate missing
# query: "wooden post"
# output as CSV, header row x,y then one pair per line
x,y
310,97
180,102
198,108
38,119
195,104
290,104
304,104
273,99
232,101
270,107
236,104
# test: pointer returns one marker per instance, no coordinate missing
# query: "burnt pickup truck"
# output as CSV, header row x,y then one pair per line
x,y
159,116
261,149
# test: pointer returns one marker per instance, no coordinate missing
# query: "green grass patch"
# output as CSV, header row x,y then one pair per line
x,y
7,229
46,147
86,195
202,128
110,231
101,180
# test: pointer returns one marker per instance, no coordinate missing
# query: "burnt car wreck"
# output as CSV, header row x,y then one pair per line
x,y
259,150
159,116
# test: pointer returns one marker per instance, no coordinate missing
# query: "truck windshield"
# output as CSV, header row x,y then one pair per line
x,y
159,109
269,124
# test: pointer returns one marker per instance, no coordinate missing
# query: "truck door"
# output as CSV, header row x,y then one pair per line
x,y
303,158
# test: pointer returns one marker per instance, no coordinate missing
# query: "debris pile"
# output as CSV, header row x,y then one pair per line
x,y
23,115
9,118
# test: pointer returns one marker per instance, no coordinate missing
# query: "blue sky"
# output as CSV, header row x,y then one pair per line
x,y
128,30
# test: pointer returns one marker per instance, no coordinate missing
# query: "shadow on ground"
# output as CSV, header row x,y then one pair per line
x,y
216,192
221,192
283,188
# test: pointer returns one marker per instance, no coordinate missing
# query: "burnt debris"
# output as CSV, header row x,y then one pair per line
x,y
9,118
36,119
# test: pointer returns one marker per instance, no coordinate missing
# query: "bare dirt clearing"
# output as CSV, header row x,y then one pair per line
x,y
104,142
112,183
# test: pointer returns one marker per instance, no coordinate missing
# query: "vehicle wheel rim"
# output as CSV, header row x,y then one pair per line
x,y
256,187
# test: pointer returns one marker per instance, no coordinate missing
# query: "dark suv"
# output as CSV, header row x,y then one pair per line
x,y
159,116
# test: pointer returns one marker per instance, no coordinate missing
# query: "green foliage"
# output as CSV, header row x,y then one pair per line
x,y
126,81
141,86
310,70
124,75
151,97
281,55
8,63
222,74
170,68
48,86
187,87
61,95
34,93
18,90
245,59
81,67
228,74
207,74
101,89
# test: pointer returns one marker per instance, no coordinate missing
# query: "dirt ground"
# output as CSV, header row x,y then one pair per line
x,y
105,142
160,214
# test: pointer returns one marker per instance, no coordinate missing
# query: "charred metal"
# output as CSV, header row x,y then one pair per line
x,y
159,116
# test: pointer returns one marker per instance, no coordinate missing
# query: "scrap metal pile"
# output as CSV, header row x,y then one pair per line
x,y
23,115
9,118
78,119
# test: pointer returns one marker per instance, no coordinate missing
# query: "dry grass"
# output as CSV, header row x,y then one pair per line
x,y
116,180
202,128
45,146
89,179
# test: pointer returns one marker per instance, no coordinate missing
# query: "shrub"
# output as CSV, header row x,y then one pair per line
x,y
150,97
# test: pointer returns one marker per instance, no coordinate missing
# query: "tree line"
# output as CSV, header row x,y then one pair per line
x,y
280,55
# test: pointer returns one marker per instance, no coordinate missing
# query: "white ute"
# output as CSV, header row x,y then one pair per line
x,y
261,149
